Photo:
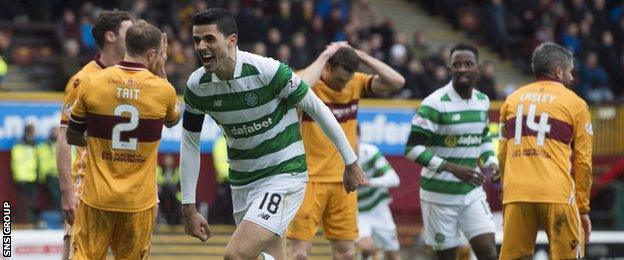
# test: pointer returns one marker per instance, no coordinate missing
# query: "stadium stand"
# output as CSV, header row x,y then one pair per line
x,y
591,29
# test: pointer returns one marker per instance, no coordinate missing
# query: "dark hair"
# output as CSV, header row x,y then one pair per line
x,y
108,21
141,37
345,57
548,56
465,47
219,16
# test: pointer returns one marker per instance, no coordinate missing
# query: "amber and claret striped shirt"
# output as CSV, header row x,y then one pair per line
x,y
123,109
324,161
545,150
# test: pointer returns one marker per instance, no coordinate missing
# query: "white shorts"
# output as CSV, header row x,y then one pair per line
x,y
379,225
271,202
443,223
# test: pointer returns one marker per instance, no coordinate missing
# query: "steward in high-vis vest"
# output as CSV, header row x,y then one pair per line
x,y
48,173
24,167
168,179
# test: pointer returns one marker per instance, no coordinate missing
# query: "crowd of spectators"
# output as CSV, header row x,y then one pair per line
x,y
592,29
294,32
53,41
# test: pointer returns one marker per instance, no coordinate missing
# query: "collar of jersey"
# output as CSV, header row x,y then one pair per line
x,y
98,62
238,68
453,94
131,65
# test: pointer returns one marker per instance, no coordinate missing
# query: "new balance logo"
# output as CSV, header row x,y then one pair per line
x,y
217,103
264,216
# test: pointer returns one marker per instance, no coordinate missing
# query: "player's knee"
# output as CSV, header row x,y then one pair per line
x,y
366,247
237,254
300,255
299,249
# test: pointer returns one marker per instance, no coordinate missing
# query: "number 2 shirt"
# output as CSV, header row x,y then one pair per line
x,y
546,146
123,109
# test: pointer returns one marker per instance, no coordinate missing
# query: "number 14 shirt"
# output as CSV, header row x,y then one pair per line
x,y
546,146
123,109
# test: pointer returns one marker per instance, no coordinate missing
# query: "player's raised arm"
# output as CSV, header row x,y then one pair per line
x,y
312,73
386,79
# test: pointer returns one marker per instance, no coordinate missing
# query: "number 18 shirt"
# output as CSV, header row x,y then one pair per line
x,y
123,109
546,146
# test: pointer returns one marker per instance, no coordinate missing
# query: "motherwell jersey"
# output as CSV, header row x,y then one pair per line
x,y
123,109
324,161
546,146
71,91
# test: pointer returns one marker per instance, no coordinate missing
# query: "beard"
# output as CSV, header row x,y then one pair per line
x,y
568,82
463,85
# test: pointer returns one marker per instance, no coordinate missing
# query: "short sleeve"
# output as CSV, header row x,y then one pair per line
x,y
79,108
173,110
71,92
363,82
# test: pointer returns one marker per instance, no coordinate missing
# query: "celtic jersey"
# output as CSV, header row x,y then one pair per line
x,y
453,130
256,112
374,165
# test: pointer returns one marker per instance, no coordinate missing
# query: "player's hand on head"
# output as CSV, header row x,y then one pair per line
x,y
164,49
68,204
353,177
195,224
333,47
161,58
465,173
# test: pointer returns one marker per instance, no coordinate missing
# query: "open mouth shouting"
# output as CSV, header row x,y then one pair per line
x,y
207,58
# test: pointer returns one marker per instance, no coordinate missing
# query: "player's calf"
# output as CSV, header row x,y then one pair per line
x,y
484,246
